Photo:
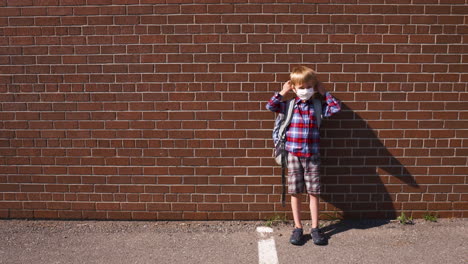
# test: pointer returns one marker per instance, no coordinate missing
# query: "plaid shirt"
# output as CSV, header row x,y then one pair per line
x,y
303,136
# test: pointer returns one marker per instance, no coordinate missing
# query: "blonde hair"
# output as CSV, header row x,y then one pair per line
x,y
302,74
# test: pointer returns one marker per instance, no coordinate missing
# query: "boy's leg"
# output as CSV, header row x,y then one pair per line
x,y
295,187
298,232
312,180
296,208
314,209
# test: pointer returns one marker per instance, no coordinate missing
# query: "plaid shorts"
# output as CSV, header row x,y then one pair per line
x,y
303,171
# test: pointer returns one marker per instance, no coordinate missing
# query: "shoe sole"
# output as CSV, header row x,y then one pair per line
x,y
321,244
298,244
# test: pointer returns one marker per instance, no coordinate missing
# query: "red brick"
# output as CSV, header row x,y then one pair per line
x,y
189,88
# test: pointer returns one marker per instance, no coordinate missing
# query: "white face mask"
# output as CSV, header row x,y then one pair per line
x,y
305,94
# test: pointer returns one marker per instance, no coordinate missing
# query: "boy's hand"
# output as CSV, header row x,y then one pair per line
x,y
321,89
287,86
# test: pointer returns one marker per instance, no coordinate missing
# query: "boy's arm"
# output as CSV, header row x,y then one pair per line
x,y
275,104
332,105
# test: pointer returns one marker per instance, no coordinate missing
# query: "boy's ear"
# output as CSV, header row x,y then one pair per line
x,y
294,89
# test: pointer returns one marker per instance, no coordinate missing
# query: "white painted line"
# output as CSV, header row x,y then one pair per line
x,y
264,229
266,246
267,251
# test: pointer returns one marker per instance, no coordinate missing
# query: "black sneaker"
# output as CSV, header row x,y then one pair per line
x,y
296,237
318,237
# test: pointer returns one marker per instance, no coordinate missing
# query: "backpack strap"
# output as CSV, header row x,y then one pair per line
x,y
282,135
287,119
318,111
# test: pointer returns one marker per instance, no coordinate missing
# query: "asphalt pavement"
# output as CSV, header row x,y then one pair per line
x,y
366,241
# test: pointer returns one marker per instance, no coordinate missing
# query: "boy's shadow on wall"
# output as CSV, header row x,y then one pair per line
x,y
360,177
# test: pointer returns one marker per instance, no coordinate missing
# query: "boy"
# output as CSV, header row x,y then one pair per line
x,y
302,144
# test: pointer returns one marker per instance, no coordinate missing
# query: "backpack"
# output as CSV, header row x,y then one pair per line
x,y
282,123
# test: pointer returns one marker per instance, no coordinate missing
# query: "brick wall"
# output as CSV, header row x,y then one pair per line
x,y
147,109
